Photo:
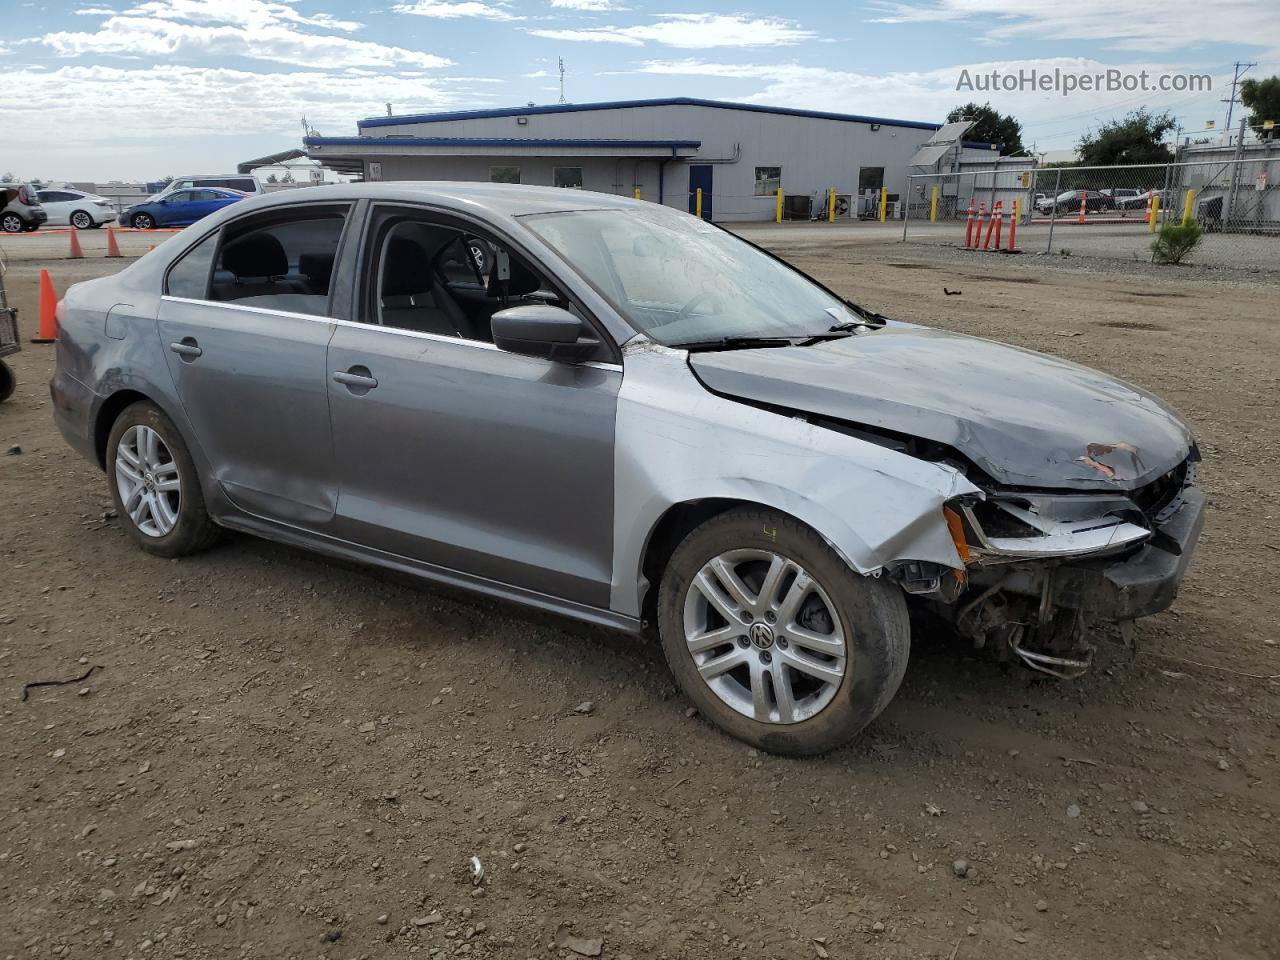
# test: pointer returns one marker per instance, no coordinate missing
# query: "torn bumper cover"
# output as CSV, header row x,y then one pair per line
x,y
1137,584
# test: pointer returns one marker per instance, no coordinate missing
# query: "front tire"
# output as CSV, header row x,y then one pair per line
x,y
154,484
774,638
143,221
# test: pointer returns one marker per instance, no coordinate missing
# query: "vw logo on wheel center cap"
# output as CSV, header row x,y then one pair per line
x,y
761,635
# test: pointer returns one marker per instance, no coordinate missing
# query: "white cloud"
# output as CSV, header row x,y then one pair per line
x,y
142,36
1136,25
455,9
589,6
112,102
691,31
247,13
927,95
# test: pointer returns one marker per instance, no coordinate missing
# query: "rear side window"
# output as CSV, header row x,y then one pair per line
x,y
247,186
280,264
189,277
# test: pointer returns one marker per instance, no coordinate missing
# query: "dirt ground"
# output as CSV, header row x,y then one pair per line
x,y
279,756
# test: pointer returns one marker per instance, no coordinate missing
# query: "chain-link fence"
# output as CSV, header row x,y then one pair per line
x,y
1105,211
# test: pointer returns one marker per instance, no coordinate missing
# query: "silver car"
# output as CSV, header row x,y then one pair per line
x,y
617,412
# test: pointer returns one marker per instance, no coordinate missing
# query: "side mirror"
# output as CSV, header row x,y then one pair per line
x,y
541,330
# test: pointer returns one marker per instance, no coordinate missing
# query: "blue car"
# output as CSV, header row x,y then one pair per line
x,y
178,209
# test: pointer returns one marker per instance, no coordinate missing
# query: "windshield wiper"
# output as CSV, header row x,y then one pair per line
x,y
736,343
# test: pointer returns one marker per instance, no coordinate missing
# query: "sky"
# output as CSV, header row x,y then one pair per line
x,y
139,89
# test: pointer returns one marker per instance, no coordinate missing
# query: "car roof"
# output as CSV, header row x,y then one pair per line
x,y
507,199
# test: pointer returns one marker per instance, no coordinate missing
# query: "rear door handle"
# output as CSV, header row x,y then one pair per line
x,y
186,348
357,378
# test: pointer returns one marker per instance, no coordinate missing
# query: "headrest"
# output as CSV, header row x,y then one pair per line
x,y
405,269
316,267
255,255
523,281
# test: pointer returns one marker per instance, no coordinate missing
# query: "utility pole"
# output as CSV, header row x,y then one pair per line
x,y
560,61
1241,70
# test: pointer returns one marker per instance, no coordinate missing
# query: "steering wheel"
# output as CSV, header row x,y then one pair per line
x,y
704,297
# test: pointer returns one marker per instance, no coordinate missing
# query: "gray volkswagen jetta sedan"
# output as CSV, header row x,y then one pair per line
x,y
614,411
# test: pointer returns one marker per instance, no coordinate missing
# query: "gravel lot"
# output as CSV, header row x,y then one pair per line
x,y
278,756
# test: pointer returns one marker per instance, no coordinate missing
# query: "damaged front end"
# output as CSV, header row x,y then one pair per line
x,y
1046,572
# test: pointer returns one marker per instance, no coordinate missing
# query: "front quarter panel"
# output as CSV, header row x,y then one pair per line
x,y
677,442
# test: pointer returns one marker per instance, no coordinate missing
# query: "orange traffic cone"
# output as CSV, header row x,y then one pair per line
x,y
75,253
113,248
48,331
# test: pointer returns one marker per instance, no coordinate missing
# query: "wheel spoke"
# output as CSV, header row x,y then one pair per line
x,y
128,456
706,585
147,446
732,584
169,469
166,486
711,639
163,512
778,568
796,593
127,471
141,508
783,693
722,664
133,497
759,692
827,672
832,645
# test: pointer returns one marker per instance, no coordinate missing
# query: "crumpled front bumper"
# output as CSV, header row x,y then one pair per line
x,y
1140,583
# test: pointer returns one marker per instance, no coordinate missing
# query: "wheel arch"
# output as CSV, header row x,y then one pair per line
x,y
677,522
107,415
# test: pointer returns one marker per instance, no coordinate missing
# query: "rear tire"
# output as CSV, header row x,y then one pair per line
x,y
81,220
8,381
859,625
163,518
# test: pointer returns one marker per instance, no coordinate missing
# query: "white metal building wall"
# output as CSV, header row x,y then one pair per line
x,y
815,154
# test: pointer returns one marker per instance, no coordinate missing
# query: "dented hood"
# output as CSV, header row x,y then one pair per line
x,y
1024,418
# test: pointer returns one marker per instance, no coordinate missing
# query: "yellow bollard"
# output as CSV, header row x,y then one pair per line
x,y
1186,213
697,204
777,208
933,205
831,205
637,193
884,203
1017,212
1154,215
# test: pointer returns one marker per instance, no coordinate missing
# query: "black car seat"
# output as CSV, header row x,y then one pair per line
x,y
259,268
410,297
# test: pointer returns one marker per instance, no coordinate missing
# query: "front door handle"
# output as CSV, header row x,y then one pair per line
x,y
356,379
187,348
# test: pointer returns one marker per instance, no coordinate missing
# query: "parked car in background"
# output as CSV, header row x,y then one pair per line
x,y
84,211
1070,201
1139,201
244,183
20,208
178,209
626,415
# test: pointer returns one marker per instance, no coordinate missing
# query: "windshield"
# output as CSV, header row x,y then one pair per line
x,y
680,280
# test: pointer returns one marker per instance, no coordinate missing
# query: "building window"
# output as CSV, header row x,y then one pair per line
x,y
768,181
568,177
504,174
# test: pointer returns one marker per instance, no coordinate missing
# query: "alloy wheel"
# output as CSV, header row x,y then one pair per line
x,y
148,481
81,220
764,636
12,223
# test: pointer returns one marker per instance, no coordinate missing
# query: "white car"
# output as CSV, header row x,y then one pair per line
x,y
82,210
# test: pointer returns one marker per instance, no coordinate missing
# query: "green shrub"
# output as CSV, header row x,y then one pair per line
x,y
1175,241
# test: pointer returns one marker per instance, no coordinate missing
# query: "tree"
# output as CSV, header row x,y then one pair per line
x,y
8,177
1137,138
992,126
1262,99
